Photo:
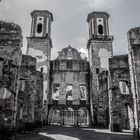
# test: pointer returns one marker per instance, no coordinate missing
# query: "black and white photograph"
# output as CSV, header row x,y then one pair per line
x,y
69,69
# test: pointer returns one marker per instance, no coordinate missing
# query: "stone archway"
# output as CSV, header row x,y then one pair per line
x,y
54,116
83,117
127,108
69,116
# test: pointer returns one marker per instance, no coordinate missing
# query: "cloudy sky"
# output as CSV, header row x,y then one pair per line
x,y
70,26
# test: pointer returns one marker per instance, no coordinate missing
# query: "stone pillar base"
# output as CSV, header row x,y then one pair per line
x,y
136,132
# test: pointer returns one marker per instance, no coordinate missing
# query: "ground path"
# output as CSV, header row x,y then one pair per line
x,y
74,133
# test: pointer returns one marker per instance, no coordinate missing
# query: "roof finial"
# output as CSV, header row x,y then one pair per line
x,y
69,46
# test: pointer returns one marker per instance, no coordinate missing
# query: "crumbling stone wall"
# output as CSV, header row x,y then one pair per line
x,y
8,86
103,101
118,101
10,53
31,94
134,64
9,75
100,50
38,97
10,41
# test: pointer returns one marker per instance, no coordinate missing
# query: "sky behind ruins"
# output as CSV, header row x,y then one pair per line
x,y
70,26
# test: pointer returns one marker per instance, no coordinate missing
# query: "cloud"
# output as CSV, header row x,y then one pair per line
x,y
101,4
69,26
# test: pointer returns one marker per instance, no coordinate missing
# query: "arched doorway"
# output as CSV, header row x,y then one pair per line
x,y
54,117
69,116
83,117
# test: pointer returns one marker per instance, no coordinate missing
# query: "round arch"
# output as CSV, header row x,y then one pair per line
x,y
54,116
39,28
69,116
83,116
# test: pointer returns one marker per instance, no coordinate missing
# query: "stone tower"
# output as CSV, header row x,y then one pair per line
x,y
134,67
99,51
39,44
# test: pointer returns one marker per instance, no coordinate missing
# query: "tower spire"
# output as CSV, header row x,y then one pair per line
x,y
41,23
39,45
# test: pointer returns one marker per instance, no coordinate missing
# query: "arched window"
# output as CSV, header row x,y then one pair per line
x,y
54,116
83,118
123,87
39,28
69,92
83,92
55,95
100,29
41,69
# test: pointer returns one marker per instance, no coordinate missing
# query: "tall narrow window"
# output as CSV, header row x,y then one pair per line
x,y
97,70
69,64
91,26
69,54
69,92
55,95
123,87
100,29
41,69
83,92
39,28
57,64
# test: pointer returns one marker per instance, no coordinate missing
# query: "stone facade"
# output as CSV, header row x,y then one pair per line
x,y
10,52
69,89
134,64
120,96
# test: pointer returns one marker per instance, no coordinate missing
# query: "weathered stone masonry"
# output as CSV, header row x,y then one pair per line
x,y
134,64
69,70
99,51
120,95
39,45
10,52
